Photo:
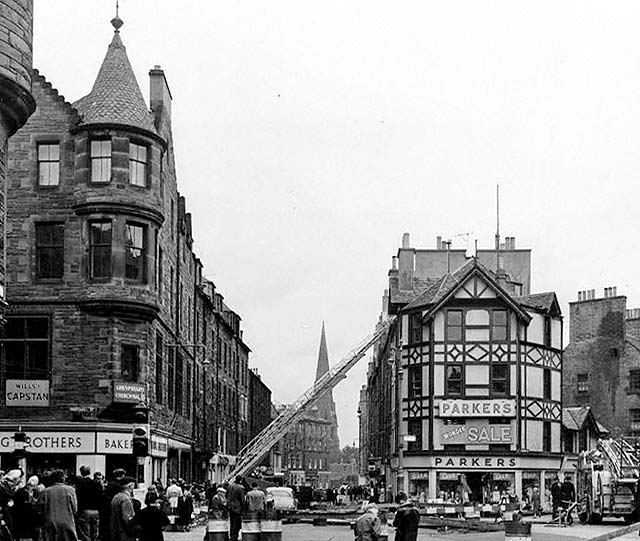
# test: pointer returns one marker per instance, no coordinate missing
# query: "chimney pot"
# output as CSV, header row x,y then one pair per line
x,y
579,296
593,294
406,240
394,262
614,291
439,242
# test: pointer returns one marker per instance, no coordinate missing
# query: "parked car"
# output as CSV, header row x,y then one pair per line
x,y
283,498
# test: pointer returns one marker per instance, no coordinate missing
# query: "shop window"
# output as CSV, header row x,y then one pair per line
x,y
159,366
583,383
634,381
454,325
546,383
415,328
26,348
49,250
130,363
454,380
634,418
135,263
415,381
414,428
546,436
101,161
137,164
499,329
100,249
48,164
499,379
547,331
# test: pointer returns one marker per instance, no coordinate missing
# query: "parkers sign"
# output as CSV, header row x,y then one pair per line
x,y
476,462
478,408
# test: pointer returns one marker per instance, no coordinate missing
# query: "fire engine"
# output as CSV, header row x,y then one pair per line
x,y
607,482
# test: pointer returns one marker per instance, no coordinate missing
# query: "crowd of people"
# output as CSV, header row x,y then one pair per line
x,y
89,507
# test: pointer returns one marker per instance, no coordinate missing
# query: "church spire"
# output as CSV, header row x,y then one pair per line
x,y
323,356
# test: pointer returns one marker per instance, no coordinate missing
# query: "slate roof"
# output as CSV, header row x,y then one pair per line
x,y
539,301
116,97
441,287
574,418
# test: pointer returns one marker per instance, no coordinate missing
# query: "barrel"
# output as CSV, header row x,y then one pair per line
x,y
271,530
251,527
218,530
517,531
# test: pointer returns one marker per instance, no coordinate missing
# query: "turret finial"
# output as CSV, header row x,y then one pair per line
x,y
117,21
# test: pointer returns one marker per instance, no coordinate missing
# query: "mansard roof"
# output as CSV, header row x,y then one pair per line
x,y
116,97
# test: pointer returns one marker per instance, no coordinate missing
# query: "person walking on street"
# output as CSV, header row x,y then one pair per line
x,y
555,496
152,520
567,497
122,512
89,495
174,493
235,502
406,520
59,507
368,526
255,499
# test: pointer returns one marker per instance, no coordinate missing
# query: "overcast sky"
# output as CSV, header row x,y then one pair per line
x,y
309,135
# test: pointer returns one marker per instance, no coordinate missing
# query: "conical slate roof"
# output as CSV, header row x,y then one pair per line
x,y
116,97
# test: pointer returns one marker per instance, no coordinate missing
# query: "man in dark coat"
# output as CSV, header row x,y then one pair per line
x,y
235,503
59,507
555,496
89,494
567,496
152,520
110,490
122,512
406,520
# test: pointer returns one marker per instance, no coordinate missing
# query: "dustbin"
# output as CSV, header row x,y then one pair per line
x,y
517,531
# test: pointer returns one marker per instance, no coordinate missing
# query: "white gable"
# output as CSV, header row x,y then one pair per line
x,y
475,288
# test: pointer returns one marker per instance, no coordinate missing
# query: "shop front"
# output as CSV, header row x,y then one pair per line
x,y
479,479
68,450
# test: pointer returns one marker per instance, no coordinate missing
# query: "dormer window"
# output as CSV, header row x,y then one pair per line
x,y
101,161
137,164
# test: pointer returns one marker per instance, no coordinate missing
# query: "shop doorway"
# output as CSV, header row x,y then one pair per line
x,y
475,480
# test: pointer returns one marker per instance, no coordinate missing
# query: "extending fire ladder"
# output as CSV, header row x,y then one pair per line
x,y
257,448
621,455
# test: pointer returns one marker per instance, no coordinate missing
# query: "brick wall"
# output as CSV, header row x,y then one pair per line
x,y
600,350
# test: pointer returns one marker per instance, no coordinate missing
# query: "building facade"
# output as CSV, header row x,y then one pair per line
x,y
312,445
464,392
111,324
16,100
602,360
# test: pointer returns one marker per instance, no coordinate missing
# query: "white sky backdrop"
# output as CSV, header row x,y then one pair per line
x,y
310,135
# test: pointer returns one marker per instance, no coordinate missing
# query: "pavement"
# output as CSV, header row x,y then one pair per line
x,y
614,529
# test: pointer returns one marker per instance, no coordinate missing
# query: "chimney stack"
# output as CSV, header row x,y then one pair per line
x,y
406,242
160,95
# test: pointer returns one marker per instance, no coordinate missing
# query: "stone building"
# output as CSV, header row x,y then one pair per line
x,y
109,314
602,360
313,444
16,100
464,390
